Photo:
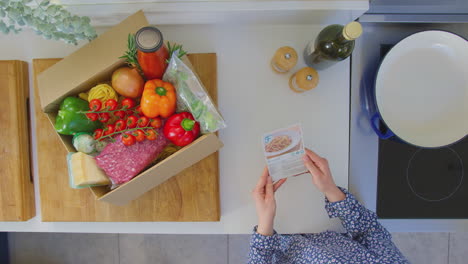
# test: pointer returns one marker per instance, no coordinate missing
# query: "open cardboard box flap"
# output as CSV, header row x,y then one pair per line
x,y
94,60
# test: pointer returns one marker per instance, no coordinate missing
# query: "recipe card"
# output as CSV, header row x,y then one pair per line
x,y
283,150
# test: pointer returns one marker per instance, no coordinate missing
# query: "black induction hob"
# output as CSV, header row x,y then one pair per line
x,y
418,182
422,183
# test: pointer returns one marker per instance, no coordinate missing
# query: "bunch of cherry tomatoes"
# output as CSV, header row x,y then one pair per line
x,y
131,123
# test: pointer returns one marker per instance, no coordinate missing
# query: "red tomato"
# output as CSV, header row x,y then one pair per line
x,y
120,114
143,121
111,104
92,116
128,139
151,134
109,129
95,105
128,103
129,112
120,125
104,117
139,135
97,133
138,111
156,122
132,121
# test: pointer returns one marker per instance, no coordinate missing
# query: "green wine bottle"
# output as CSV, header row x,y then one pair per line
x,y
334,43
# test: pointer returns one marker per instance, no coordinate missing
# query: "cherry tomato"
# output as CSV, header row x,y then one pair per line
x,y
143,121
97,133
109,129
139,135
128,139
120,125
95,105
92,116
138,111
129,112
111,104
151,134
132,121
120,114
104,117
156,122
128,103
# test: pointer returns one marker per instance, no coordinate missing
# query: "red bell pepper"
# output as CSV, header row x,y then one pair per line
x,y
181,129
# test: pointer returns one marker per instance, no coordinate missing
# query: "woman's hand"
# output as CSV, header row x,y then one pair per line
x,y
264,196
321,176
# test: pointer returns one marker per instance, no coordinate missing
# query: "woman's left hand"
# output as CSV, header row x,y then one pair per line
x,y
264,196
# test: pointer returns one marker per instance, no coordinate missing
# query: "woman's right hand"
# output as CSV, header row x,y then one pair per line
x,y
321,176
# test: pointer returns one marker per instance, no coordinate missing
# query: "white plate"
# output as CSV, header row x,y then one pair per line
x,y
422,89
295,138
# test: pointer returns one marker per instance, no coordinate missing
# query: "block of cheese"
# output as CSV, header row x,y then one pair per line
x,y
84,171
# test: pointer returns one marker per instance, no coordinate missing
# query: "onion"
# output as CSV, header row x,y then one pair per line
x,y
127,82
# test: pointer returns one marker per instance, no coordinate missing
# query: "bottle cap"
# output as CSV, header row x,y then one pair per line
x,y
149,39
285,59
305,79
352,30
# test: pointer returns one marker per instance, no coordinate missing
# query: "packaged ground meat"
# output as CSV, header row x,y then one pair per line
x,y
121,163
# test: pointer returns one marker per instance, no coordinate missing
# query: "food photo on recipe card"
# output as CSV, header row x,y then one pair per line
x,y
283,150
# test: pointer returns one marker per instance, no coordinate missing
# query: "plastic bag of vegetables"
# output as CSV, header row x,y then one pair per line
x,y
192,96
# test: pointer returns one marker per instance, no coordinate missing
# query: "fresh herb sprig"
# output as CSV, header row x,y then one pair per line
x,y
130,55
173,48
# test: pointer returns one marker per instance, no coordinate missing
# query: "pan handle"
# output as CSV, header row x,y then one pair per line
x,y
375,121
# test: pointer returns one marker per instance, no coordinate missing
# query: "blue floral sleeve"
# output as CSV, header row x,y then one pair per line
x,y
366,241
361,224
262,247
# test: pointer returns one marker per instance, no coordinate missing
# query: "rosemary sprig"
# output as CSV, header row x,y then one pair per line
x,y
173,48
130,55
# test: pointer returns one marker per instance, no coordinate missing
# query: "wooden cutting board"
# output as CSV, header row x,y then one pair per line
x,y
192,195
16,188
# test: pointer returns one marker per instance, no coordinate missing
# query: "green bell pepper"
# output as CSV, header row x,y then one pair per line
x,y
71,119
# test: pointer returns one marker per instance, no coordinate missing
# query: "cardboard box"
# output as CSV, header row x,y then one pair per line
x,y
92,64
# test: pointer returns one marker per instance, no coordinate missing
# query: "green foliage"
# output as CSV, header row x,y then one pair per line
x,y
130,55
48,20
175,48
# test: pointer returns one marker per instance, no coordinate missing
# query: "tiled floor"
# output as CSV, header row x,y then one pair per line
x,y
38,248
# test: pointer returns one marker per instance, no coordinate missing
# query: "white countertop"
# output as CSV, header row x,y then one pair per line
x,y
253,100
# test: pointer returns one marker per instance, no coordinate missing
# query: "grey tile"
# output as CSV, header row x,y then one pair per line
x,y
458,253
172,249
423,247
63,248
238,249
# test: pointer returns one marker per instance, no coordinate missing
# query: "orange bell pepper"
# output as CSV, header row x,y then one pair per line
x,y
158,99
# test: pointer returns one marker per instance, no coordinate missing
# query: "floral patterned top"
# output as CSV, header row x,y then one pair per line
x,y
366,241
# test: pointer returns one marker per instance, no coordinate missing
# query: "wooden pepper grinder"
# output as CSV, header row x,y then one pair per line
x,y
303,80
284,60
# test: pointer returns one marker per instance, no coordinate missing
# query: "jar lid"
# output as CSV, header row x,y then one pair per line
x,y
305,79
352,30
285,59
149,39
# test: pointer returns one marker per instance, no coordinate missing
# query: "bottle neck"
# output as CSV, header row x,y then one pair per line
x,y
341,39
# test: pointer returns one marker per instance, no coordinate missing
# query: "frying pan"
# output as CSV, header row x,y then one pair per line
x,y
421,90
